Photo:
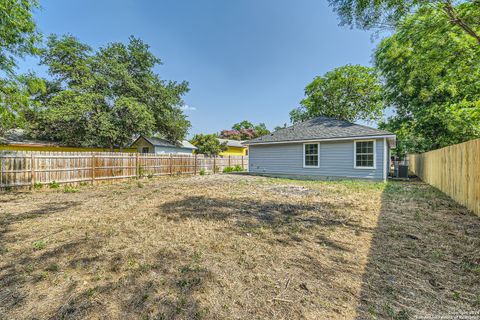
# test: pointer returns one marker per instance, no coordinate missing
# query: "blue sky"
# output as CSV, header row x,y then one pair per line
x,y
244,59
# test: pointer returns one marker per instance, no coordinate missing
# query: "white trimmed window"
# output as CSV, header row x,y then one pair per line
x,y
311,155
364,154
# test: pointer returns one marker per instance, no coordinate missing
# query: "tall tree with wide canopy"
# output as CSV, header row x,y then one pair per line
x,y
107,96
462,15
350,93
18,37
431,74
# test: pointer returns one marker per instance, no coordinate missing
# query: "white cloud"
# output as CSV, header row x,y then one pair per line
x,y
186,107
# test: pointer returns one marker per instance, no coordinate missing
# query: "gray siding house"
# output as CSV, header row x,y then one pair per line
x,y
322,148
157,145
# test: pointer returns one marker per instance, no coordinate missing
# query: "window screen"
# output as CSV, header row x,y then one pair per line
x,y
311,155
364,154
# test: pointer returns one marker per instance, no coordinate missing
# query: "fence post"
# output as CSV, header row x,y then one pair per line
x,y
229,161
32,170
242,164
214,164
93,168
137,166
195,165
171,165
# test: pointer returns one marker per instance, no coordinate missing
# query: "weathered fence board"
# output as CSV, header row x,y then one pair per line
x,y
455,170
20,169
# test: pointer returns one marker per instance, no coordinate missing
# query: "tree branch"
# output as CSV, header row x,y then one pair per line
x,y
455,19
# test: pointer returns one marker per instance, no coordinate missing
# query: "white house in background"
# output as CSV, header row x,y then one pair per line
x,y
322,148
158,146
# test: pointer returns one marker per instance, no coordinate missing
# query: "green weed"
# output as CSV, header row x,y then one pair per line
x,y
456,296
70,189
53,267
54,185
39,245
237,168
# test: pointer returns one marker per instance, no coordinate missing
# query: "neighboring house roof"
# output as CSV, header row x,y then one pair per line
x,y
320,128
18,137
232,143
187,144
159,142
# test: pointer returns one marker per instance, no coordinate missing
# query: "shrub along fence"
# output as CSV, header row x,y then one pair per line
x,y
28,169
454,170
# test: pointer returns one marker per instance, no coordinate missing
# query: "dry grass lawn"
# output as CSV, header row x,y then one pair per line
x,y
237,247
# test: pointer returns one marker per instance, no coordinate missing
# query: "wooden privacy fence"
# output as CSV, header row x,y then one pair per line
x,y
454,170
21,169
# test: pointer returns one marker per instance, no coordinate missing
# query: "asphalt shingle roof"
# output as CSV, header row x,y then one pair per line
x,y
20,137
319,128
232,143
159,142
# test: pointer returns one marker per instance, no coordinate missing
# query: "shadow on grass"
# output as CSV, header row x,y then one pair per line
x,y
424,257
159,290
44,209
8,219
163,288
251,215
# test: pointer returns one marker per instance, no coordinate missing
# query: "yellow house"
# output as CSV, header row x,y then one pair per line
x,y
235,148
15,140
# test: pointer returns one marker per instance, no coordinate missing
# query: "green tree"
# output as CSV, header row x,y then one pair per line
x,y
15,100
106,96
350,93
243,125
18,38
208,144
18,33
261,129
461,15
431,79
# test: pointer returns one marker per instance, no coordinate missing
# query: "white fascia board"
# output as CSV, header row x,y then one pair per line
x,y
320,140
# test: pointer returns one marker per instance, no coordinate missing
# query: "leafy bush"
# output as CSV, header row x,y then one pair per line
x,y
54,184
37,185
237,168
202,172
227,169
83,183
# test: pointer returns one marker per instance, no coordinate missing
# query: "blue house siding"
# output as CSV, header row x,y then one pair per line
x,y
336,160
